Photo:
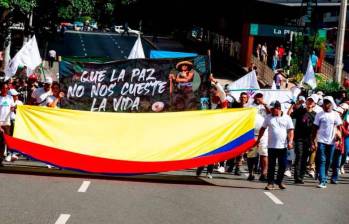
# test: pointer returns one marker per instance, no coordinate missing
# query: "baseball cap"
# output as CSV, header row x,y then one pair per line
x,y
314,97
48,80
330,98
12,92
275,104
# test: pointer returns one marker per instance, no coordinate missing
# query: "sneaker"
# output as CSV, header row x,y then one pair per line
x,y
288,173
8,158
342,170
269,187
312,174
209,176
49,166
282,186
333,182
221,169
250,177
322,185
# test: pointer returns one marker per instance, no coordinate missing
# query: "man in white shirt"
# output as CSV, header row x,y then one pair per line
x,y
6,106
280,137
40,95
326,126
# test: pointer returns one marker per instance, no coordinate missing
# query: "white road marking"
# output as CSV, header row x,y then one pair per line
x,y
85,54
62,219
83,44
122,52
273,198
84,49
118,46
85,184
126,57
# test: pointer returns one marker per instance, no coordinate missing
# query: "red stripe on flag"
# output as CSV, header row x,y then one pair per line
x,y
92,164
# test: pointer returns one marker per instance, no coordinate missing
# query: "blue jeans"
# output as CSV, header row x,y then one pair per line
x,y
324,156
346,150
336,162
281,156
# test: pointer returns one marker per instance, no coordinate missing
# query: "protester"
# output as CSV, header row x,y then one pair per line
x,y
280,137
40,95
11,157
55,98
262,148
219,100
304,117
323,138
6,107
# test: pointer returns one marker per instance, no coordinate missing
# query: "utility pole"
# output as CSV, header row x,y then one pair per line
x,y
340,42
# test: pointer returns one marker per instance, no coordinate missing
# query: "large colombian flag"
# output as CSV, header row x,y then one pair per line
x,y
131,143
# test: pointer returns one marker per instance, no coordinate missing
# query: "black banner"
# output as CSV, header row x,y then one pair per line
x,y
138,85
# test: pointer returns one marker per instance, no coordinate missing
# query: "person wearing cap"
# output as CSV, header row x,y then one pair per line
x,y
262,148
304,116
12,92
324,134
40,95
6,107
280,138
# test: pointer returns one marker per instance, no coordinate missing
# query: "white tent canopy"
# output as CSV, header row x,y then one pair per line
x,y
137,50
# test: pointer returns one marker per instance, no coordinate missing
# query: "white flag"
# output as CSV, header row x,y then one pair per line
x,y
309,77
137,50
248,81
28,56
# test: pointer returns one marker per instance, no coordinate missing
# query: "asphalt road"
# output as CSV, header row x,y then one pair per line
x,y
93,44
175,197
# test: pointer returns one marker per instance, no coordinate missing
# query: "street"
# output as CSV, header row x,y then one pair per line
x,y
92,44
174,197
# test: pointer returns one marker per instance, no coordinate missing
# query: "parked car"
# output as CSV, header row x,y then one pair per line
x,y
120,30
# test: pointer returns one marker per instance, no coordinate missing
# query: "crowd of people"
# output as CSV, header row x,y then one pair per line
x,y
316,127
29,91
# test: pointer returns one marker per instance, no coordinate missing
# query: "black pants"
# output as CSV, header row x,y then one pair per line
x,y
252,164
302,151
209,169
281,156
